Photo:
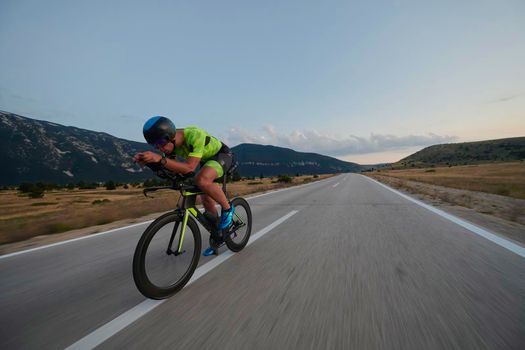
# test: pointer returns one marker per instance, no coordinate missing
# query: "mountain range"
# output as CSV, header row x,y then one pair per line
x,y
40,151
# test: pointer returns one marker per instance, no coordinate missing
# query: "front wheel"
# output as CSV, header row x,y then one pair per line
x,y
239,234
160,269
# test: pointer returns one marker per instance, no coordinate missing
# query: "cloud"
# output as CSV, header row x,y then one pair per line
x,y
505,98
315,141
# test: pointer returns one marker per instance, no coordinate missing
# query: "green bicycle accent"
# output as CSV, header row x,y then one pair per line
x,y
193,212
184,223
187,194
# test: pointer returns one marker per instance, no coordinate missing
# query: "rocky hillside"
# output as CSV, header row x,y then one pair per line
x,y
34,150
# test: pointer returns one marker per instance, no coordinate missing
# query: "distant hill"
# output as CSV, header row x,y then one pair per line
x,y
255,160
39,151
502,150
35,150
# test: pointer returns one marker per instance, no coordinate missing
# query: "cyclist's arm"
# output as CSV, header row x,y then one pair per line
x,y
182,167
197,142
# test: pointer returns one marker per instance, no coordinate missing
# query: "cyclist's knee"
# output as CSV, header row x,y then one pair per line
x,y
201,181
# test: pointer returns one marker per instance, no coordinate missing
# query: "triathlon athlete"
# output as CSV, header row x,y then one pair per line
x,y
195,146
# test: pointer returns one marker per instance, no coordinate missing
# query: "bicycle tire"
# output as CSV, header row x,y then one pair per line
x,y
230,242
142,280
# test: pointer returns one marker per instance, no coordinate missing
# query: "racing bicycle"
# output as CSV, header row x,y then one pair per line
x,y
169,250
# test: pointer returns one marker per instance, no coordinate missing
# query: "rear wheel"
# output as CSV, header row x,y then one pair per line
x,y
239,233
159,270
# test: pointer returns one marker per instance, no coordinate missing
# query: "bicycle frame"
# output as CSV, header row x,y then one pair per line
x,y
188,207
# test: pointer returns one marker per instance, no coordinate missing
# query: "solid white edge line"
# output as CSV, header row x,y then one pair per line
x,y
142,223
111,328
72,240
513,247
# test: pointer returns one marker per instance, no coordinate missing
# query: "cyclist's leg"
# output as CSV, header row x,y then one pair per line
x,y
209,204
204,180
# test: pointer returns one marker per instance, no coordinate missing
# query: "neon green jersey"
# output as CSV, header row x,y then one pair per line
x,y
198,143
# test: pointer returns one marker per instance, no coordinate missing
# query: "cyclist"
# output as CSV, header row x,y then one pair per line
x,y
195,146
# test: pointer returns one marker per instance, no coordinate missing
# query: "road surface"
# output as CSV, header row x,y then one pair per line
x,y
343,263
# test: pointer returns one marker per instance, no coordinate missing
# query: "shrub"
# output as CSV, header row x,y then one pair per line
x,y
26,187
110,185
100,201
39,204
284,178
58,227
86,186
36,193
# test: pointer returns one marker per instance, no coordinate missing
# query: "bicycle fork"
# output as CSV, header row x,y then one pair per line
x,y
179,250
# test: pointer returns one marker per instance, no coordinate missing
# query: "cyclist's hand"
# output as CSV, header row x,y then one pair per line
x,y
147,157
138,158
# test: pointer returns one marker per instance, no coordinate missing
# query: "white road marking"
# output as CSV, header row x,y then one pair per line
x,y
473,228
73,240
336,185
111,328
142,223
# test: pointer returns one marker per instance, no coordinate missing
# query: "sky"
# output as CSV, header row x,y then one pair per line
x,y
363,81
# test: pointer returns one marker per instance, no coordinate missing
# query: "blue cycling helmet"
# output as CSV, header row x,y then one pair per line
x,y
159,130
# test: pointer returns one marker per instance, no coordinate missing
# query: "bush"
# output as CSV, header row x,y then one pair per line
x,y
36,193
59,227
26,187
110,185
100,201
284,178
315,176
86,186
39,204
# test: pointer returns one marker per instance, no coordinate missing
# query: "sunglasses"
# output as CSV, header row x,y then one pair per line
x,y
160,143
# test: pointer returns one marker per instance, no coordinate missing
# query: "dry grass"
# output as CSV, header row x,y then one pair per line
x,y
506,179
22,218
494,189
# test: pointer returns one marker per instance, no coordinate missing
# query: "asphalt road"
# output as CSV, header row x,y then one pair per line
x,y
355,267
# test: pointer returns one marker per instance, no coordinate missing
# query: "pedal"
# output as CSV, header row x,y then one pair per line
x,y
214,244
